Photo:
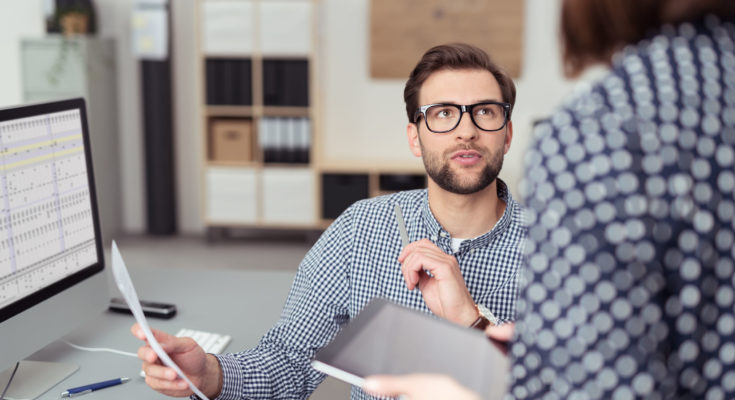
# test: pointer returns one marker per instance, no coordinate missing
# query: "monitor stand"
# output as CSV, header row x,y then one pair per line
x,y
34,378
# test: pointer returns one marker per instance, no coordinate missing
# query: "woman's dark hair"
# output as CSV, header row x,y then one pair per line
x,y
593,30
454,56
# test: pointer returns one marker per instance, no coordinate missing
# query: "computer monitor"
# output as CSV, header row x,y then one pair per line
x,y
51,258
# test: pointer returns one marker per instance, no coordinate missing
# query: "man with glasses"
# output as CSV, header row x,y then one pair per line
x,y
462,262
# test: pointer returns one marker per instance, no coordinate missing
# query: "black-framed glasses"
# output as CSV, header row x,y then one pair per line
x,y
489,116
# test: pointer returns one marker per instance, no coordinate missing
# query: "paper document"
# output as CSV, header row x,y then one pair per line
x,y
363,348
125,284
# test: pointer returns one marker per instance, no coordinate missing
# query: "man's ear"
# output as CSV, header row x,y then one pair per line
x,y
508,137
413,139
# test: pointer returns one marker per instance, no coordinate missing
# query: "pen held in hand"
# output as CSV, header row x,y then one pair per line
x,y
401,224
78,391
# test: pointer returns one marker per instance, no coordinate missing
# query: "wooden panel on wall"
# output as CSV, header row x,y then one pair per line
x,y
402,30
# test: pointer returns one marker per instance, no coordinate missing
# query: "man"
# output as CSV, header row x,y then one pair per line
x,y
465,230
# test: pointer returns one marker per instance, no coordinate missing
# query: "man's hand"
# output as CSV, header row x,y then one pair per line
x,y
445,293
202,369
418,387
501,335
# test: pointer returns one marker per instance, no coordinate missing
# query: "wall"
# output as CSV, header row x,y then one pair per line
x,y
18,18
113,19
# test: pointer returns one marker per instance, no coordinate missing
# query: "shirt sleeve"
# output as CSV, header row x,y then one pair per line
x,y
315,310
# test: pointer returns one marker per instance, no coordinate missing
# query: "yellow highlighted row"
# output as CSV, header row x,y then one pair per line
x,y
40,144
78,149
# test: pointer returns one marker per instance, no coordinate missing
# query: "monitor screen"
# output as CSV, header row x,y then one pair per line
x,y
50,243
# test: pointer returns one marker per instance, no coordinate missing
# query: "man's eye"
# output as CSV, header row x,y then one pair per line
x,y
485,111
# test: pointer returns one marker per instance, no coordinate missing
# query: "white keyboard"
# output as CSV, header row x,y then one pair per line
x,y
211,342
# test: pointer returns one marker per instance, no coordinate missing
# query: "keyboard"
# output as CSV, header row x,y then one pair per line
x,y
211,342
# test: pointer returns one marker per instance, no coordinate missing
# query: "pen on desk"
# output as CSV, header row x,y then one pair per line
x,y
401,224
78,391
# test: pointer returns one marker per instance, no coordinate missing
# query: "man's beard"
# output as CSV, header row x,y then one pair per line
x,y
441,173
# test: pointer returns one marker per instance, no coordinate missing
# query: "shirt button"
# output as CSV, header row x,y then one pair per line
x,y
434,238
443,234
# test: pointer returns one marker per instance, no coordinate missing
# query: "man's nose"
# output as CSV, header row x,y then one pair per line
x,y
466,130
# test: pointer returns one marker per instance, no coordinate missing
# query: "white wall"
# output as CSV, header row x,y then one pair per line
x,y
188,121
18,18
113,20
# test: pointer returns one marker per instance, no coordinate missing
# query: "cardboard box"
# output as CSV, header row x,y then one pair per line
x,y
231,140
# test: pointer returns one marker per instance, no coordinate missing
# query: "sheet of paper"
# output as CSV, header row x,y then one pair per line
x,y
125,284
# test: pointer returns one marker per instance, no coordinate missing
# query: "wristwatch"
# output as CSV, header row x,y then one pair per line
x,y
486,318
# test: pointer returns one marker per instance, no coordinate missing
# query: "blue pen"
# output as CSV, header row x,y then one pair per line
x,y
78,391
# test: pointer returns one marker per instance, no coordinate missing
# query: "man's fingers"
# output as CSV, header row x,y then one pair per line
x,y
137,331
158,371
177,387
410,275
387,385
424,244
147,354
502,333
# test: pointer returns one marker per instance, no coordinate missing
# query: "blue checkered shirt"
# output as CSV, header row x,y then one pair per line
x,y
355,260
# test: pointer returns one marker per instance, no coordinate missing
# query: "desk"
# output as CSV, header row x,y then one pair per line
x,y
243,304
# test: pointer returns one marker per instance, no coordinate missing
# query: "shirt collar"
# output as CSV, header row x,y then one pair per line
x,y
438,233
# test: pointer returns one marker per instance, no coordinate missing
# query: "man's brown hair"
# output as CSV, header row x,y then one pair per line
x,y
593,30
454,56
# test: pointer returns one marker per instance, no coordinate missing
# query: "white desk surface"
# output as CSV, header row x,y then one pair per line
x,y
243,304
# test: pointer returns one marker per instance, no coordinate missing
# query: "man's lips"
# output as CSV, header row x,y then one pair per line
x,y
466,154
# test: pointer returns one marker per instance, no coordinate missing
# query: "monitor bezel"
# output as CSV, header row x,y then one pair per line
x,y
55,288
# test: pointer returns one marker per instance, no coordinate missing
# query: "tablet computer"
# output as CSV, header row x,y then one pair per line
x,y
386,338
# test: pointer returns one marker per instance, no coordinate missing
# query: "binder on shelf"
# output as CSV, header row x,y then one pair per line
x,y
229,81
286,82
285,140
303,143
290,144
265,135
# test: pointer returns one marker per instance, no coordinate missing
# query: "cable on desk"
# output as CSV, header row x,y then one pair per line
x,y
120,352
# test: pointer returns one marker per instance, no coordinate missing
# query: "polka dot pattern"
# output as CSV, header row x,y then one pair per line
x,y
629,290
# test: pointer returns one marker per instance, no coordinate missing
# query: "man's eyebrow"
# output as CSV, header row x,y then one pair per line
x,y
474,102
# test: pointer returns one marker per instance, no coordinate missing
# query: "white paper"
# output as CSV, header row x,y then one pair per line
x,y
150,30
125,284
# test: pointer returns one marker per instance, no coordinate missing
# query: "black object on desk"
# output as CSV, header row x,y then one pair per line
x,y
150,308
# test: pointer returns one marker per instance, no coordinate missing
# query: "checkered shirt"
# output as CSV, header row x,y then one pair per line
x,y
355,260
